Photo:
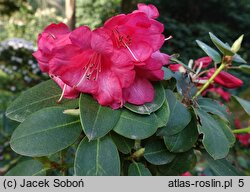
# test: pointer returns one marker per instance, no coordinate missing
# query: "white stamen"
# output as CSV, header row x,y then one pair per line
x,y
84,75
131,52
190,63
200,81
199,68
63,91
170,37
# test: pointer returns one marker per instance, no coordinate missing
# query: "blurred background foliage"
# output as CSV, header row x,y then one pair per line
x,y
186,20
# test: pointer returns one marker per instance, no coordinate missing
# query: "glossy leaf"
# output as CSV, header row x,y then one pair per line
x,y
223,47
221,167
27,168
214,107
245,68
123,144
135,126
179,116
149,108
162,115
97,158
182,162
238,59
96,120
184,140
40,96
244,103
45,132
227,131
138,169
214,140
156,153
168,74
209,51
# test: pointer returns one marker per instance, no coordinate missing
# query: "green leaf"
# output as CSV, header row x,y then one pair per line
x,y
238,59
227,131
214,107
223,47
123,144
245,68
182,162
138,169
168,74
244,103
96,120
136,126
40,96
97,158
221,167
184,140
149,108
214,140
45,132
27,168
237,44
162,115
209,51
156,153
179,116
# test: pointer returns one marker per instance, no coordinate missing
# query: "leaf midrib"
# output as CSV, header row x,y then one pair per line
x,y
47,98
59,126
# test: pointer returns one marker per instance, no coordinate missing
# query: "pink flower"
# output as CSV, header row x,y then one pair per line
x,y
203,61
53,37
141,90
91,65
136,33
225,79
150,10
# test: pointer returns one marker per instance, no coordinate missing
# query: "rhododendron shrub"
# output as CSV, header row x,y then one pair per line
x,y
117,105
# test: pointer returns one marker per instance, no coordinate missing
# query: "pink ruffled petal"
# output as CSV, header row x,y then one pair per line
x,y
57,29
140,92
101,42
110,91
123,67
43,60
81,37
150,10
69,92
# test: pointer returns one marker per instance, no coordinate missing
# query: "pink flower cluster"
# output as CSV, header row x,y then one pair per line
x,y
114,63
223,79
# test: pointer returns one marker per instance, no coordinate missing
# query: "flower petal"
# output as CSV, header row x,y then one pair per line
x,y
69,92
150,10
81,37
101,42
109,92
225,79
140,92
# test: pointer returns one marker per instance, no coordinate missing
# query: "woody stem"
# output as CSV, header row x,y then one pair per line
x,y
244,130
211,79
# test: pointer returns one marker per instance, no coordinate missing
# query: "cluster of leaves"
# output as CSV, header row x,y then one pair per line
x,y
81,137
